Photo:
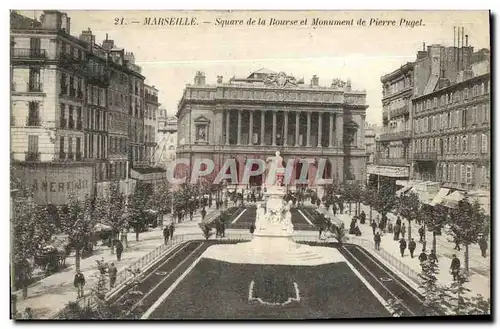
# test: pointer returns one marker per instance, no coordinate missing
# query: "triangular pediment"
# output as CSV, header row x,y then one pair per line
x,y
201,119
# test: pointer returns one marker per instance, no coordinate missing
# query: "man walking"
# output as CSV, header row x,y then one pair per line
x,y
166,234
79,282
203,213
432,257
374,227
377,238
412,246
483,245
403,230
397,230
421,233
423,256
402,246
112,275
171,230
119,251
455,267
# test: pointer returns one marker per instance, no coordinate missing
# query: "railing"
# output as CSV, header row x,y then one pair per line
x,y
28,53
35,86
32,156
391,161
405,134
33,121
425,156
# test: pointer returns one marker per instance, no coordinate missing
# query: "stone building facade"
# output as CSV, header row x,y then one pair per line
x,y
150,111
254,116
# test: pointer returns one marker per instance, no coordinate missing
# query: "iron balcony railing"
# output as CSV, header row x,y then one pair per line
x,y
425,156
32,121
391,161
35,86
28,53
32,156
405,134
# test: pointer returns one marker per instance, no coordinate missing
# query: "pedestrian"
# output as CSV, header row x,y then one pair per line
x,y
412,246
455,267
402,246
390,228
421,233
191,213
203,213
119,250
362,217
171,230
321,230
79,282
423,256
403,230
397,230
483,245
101,265
112,275
457,244
432,257
374,227
252,228
377,239
398,221
166,234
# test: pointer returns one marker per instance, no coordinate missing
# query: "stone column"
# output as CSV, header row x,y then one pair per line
x,y
274,128
320,124
297,117
285,133
339,130
308,144
330,131
228,114
239,127
250,129
262,126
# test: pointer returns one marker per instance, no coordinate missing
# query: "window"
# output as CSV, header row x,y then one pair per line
x,y
61,147
462,174
449,125
445,145
445,172
464,143
457,118
456,173
32,144
482,89
473,143
435,102
479,114
484,181
450,173
469,175
486,109
474,91
464,118
484,144
466,93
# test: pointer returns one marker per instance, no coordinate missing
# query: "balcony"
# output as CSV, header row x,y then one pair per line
x,y
425,156
101,79
78,124
70,62
32,156
27,53
405,134
391,161
400,111
63,123
62,155
78,156
32,121
71,123
35,87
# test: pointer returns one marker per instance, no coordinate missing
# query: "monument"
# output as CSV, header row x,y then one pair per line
x,y
272,241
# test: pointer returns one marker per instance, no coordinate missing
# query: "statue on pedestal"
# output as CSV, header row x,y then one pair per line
x,y
275,166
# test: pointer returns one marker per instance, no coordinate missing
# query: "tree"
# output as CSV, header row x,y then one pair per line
x,y
369,195
434,219
161,200
479,305
466,224
459,302
77,222
409,207
435,296
385,200
109,209
32,232
138,206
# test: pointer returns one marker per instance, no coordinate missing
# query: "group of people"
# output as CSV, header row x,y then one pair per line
x,y
168,232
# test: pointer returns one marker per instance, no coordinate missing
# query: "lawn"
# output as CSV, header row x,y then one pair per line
x,y
220,290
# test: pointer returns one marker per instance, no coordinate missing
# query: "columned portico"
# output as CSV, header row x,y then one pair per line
x,y
285,137
308,136
274,128
320,123
330,130
297,119
262,127
250,129
239,127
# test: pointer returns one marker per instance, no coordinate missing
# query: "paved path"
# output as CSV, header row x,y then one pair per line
x,y
47,296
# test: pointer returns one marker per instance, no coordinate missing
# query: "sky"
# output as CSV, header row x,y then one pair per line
x,y
171,55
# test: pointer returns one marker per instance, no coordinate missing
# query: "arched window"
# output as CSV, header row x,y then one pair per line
x,y
445,172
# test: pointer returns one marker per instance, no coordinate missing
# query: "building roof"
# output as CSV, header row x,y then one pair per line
x,y
263,71
18,21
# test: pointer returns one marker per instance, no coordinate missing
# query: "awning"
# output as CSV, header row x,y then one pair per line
x,y
443,192
403,190
451,201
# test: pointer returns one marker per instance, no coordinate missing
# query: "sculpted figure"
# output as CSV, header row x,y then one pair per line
x,y
261,214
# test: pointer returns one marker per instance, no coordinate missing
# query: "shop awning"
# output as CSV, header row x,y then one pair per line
x,y
451,201
443,192
403,190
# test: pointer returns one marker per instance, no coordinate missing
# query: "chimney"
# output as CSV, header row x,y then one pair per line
x,y
348,85
51,20
315,81
129,56
199,78
466,40
423,47
108,44
219,79
88,37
